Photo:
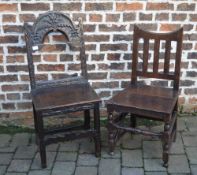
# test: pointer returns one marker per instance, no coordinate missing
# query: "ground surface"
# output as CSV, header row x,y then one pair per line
x,y
136,155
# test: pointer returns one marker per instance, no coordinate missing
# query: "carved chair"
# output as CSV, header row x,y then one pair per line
x,y
63,96
147,101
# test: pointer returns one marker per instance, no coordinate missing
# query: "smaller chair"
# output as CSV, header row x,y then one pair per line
x,y
146,101
55,97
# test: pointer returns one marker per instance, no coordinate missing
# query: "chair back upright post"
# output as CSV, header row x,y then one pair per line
x,y
175,36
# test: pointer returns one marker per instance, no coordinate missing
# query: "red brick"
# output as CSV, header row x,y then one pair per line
x,y
113,57
95,17
193,17
97,57
103,66
90,47
53,48
98,6
67,6
35,6
112,28
9,39
159,6
129,6
8,78
89,27
169,27
27,17
120,75
8,106
24,105
50,58
13,96
51,67
1,58
66,57
13,29
76,16
9,18
8,7
113,47
17,68
179,17
162,17
96,38
145,16
97,76
15,59
129,16
112,17
15,87
186,7
111,85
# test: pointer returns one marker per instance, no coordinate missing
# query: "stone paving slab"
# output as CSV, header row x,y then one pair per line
x,y
134,155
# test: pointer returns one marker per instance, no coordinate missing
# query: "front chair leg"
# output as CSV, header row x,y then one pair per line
x,y
87,119
42,146
97,137
111,138
166,142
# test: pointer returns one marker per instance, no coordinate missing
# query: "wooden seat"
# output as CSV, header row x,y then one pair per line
x,y
146,101
62,96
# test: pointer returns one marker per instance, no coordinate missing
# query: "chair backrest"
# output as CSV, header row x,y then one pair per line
x,y
53,22
167,39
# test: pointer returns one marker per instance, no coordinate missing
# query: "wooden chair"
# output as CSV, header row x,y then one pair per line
x,y
51,98
146,101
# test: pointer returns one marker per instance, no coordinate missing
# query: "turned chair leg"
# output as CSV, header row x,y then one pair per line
x,y
111,138
87,119
97,137
166,142
42,146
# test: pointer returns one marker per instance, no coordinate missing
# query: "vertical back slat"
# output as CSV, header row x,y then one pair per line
x,y
167,56
156,56
145,55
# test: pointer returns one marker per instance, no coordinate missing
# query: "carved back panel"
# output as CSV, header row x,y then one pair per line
x,y
53,22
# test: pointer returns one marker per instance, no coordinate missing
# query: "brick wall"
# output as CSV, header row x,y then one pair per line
x,y
108,27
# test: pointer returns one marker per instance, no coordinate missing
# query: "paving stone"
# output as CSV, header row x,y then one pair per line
x,y
132,143
178,164
2,170
177,147
20,139
5,158
190,140
5,139
87,147
15,174
132,158
132,171
181,123
25,152
9,149
66,156
39,172
152,149
156,173
191,123
63,168
192,154
86,171
69,146
52,147
19,166
105,153
193,169
87,160
50,159
109,166
153,165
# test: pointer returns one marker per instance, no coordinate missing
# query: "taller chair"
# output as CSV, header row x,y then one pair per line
x,y
55,97
146,101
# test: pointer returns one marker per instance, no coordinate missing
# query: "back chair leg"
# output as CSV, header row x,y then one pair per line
x,y
97,137
111,139
35,124
132,121
166,144
87,119
42,146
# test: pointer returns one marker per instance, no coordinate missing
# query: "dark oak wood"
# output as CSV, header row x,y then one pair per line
x,y
145,101
54,97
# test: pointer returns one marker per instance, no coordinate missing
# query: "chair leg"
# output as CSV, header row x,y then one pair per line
x,y
133,121
166,142
175,130
42,146
97,137
111,138
87,119
35,124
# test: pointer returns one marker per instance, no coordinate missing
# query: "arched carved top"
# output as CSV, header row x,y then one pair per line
x,y
49,22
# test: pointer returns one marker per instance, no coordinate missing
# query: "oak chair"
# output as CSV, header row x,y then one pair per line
x,y
54,97
147,101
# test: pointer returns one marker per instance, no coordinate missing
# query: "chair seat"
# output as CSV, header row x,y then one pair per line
x,y
145,100
55,97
